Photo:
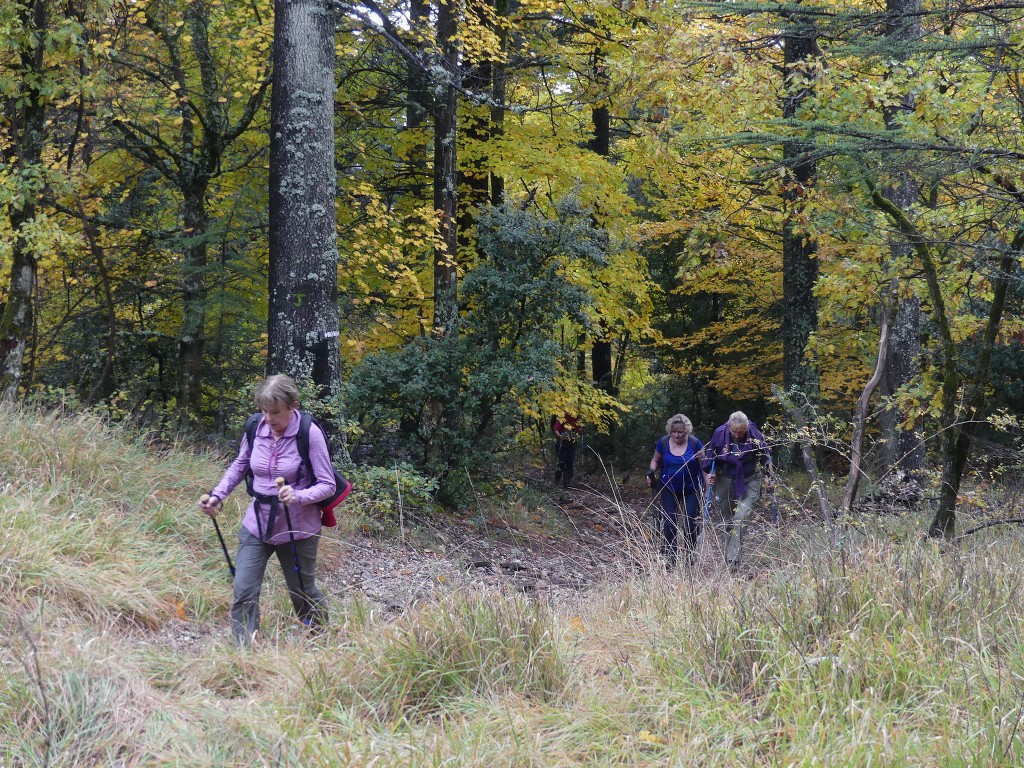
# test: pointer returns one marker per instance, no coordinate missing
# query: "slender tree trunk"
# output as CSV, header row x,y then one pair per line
x,y
601,351
499,81
904,449
192,336
29,125
861,417
944,522
446,175
303,321
106,380
799,252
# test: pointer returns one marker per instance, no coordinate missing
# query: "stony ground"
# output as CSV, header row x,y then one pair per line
x,y
592,534
588,535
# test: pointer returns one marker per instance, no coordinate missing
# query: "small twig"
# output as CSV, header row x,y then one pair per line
x,y
35,672
990,523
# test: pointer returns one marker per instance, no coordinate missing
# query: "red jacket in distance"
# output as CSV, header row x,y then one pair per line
x,y
566,428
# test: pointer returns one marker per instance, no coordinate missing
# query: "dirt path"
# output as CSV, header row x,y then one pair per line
x,y
592,544
589,536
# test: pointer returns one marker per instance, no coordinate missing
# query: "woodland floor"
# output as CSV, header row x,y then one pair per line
x,y
591,534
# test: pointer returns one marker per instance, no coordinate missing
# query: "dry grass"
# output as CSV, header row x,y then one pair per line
x,y
883,651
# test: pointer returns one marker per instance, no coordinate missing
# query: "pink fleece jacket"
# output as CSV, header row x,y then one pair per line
x,y
270,461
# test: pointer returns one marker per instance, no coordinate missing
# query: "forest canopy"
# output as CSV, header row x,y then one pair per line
x,y
618,210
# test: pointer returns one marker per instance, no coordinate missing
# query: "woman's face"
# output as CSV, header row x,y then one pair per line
x,y
739,434
278,415
678,433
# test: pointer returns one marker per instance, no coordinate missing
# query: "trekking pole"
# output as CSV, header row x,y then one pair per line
x,y
231,566
291,534
774,507
707,498
656,488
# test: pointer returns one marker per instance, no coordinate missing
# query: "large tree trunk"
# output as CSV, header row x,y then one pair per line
x,y
419,93
473,173
28,127
904,449
303,321
799,252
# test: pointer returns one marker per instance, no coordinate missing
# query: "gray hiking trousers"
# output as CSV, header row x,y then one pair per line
x,y
250,568
735,512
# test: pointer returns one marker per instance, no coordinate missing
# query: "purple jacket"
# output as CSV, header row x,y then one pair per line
x,y
269,462
730,455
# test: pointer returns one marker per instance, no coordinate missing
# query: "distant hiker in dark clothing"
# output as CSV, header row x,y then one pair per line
x,y
567,431
675,474
265,530
738,461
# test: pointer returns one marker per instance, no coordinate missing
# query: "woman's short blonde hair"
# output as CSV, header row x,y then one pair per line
x,y
276,389
679,419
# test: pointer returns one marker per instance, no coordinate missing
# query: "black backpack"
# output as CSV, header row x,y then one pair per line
x,y
342,486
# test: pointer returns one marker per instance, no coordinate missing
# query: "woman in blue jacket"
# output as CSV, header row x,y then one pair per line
x,y
675,472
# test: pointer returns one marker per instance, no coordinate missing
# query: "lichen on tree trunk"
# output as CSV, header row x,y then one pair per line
x,y
303,322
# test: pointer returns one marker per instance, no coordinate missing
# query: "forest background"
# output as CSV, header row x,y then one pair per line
x,y
619,210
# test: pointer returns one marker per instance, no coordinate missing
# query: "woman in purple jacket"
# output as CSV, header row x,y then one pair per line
x,y
265,529
738,462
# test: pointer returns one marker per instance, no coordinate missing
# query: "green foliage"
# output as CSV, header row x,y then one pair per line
x,y
384,491
451,403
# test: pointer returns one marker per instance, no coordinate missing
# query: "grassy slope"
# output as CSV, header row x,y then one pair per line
x,y
884,654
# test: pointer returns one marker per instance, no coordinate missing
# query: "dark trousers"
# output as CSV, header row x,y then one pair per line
x,y
565,455
679,509
251,566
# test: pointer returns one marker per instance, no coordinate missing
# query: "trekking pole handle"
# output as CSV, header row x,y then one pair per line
x,y
205,499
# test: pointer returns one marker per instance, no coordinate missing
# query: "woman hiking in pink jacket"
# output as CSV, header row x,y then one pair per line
x,y
283,519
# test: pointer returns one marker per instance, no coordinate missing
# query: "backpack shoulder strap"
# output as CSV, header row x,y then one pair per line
x,y
251,425
307,420
302,440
